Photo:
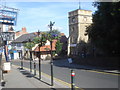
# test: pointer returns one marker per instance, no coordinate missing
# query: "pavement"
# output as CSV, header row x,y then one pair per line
x,y
22,78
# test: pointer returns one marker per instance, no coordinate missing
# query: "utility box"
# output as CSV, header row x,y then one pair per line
x,y
6,67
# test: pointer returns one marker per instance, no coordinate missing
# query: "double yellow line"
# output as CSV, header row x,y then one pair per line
x,y
55,79
102,72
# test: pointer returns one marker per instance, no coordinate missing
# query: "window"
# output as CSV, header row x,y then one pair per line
x,y
73,19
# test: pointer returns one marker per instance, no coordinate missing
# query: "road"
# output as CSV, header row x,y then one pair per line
x,y
83,78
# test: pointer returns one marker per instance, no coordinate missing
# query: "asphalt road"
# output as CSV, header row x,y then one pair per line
x,y
83,78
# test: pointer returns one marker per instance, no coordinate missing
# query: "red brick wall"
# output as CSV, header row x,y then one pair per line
x,y
23,31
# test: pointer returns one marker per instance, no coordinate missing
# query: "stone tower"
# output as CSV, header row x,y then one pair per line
x,y
78,21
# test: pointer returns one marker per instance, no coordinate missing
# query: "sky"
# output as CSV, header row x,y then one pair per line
x,y
37,15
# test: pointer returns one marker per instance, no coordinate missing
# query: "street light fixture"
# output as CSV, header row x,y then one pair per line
x,y
51,63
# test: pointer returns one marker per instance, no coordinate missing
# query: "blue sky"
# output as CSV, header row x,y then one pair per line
x,y
37,15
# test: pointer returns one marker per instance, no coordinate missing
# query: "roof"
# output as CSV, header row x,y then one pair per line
x,y
46,47
25,38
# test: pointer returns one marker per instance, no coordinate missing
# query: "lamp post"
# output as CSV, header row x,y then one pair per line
x,y
51,63
30,58
39,57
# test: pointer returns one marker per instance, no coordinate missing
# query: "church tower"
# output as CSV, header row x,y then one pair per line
x,y
78,21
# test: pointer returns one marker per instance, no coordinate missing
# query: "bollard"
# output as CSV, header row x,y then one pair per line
x,y
72,80
21,63
34,68
30,61
30,66
52,83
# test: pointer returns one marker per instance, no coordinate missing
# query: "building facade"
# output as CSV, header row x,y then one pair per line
x,y
78,22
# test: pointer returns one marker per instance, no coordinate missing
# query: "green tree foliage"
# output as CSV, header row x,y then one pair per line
x,y
58,47
29,45
54,34
104,32
41,40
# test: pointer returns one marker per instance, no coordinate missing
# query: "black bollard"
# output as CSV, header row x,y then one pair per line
x,y
21,63
72,80
34,68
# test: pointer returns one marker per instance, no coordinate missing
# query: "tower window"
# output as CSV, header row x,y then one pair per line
x,y
73,19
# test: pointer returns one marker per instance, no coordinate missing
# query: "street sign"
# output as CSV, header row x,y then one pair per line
x,y
7,36
8,16
70,60
73,45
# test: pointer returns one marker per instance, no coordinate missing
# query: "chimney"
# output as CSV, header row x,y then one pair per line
x,y
24,30
62,34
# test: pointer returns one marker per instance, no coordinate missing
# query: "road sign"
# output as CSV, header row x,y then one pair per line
x,y
8,16
7,36
70,60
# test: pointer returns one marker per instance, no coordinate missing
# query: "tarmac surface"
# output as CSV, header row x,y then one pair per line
x,y
22,78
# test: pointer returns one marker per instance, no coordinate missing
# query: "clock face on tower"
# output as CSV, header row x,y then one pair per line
x,y
84,19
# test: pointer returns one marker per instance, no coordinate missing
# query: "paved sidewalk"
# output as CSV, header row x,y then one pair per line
x,y
18,78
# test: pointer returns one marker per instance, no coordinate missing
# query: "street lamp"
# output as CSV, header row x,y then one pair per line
x,y
51,63
39,57
30,58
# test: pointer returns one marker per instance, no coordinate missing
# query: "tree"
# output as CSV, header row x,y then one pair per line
x,y
104,32
29,45
58,47
54,34
41,40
